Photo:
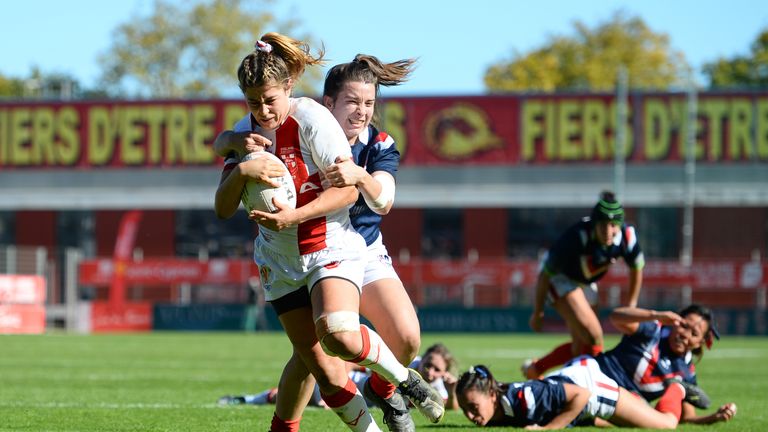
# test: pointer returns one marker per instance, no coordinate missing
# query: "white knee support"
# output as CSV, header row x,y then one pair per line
x,y
336,322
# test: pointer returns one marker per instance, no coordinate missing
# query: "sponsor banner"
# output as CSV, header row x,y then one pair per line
x,y
482,130
507,273
419,272
22,318
127,317
113,134
27,289
167,271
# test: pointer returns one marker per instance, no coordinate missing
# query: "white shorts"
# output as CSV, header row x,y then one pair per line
x,y
585,372
283,274
379,265
560,285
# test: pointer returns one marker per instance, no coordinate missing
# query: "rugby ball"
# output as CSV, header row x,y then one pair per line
x,y
258,196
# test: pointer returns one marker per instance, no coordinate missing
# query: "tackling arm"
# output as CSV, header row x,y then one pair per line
x,y
576,399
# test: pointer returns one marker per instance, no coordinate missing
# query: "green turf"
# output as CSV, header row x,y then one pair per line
x,y
170,381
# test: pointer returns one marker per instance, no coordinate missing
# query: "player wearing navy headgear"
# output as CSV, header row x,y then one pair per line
x,y
659,347
574,395
578,259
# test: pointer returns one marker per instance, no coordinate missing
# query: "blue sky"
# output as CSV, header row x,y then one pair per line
x,y
454,41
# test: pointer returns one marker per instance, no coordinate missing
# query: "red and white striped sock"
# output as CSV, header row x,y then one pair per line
x,y
351,408
377,356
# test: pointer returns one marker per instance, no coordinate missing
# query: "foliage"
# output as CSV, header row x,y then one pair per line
x,y
750,70
11,87
590,60
39,85
188,50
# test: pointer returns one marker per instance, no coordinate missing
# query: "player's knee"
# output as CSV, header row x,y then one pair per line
x,y
339,333
410,348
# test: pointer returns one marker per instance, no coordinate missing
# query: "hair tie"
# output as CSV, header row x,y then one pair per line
x,y
479,370
263,47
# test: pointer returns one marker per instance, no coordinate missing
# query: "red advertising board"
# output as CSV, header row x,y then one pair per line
x,y
26,289
22,318
482,130
127,317
22,304
168,271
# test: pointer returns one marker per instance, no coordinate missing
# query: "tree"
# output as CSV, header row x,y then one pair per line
x,y
11,87
40,85
749,70
590,59
188,51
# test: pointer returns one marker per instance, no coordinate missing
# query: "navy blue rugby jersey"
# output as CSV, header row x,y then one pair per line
x,y
532,402
374,151
643,360
579,256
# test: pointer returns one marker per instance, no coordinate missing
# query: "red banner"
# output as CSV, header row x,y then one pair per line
x,y
483,130
128,317
169,271
27,289
22,318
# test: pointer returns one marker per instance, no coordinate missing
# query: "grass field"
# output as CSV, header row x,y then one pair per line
x,y
170,381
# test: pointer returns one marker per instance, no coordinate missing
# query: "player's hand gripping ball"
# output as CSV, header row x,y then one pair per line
x,y
258,196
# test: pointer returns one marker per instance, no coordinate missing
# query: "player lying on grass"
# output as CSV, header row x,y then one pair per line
x,y
574,395
660,347
437,366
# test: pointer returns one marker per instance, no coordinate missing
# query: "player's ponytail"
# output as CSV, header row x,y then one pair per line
x,y
367,69
478,378
276,58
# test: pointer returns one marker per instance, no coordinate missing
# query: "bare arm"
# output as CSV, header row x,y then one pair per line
x,y
628,319
450,381
635,282
576,399
239,142
346,173
228,193
723,414
542,284
232,183
326,202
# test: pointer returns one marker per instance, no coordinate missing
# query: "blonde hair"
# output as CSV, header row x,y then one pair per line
x,y
275,60
443,351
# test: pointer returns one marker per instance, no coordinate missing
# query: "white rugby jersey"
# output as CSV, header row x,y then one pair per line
x,y
308,142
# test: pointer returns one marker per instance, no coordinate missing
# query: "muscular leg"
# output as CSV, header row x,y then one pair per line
x,y
582,322
633,411
386,304
295,389
338,391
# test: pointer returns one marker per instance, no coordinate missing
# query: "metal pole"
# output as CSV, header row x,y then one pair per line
x,y
686,252
619,169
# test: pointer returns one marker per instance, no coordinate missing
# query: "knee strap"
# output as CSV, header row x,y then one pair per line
x,y
336,322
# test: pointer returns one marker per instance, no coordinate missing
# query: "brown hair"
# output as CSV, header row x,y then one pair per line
x,y
441,350
478,378
276,59
367,69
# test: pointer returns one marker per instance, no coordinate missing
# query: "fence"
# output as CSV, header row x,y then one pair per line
x,y
464,284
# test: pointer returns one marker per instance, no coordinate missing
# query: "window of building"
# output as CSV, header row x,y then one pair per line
x,y
659,231
532,231
199,233
442,236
